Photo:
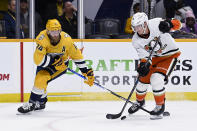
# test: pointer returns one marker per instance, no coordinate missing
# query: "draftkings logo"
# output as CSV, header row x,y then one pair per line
x,y
4,77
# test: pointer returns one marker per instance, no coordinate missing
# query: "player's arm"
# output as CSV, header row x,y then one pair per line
x,y
144,65
41,58
169,24
77,57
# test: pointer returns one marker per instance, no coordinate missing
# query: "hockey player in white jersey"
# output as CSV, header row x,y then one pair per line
x,y
162,62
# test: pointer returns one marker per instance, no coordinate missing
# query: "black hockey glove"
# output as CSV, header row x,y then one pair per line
x,y
143,68
165,26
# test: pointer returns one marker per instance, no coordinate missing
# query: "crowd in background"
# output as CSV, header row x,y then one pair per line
x,y
101,26
168,9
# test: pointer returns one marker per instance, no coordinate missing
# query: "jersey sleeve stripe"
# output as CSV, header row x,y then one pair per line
x,y
80,63
170,51
45,62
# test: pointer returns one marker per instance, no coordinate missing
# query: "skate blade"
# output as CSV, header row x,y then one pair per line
x,y
18,113
156,117
41,110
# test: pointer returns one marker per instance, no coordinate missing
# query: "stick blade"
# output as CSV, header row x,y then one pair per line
x,y
113,116
166,113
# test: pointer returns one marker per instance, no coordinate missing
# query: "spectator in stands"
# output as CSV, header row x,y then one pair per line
x,y
170,6
176,9
128,29
181,9
53,10
25,19
69,19
160,11
10,20
190,24
148,7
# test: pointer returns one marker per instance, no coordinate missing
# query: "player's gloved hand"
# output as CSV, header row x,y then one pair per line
x,y
165,26
59,64
143,68
89,77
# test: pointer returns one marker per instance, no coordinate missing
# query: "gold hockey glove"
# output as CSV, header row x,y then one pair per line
x,y
89,77
59,64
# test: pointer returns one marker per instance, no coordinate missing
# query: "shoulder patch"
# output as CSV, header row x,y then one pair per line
x,y
66,35
41,37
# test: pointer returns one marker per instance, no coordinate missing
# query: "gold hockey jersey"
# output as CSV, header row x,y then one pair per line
x,y
65,47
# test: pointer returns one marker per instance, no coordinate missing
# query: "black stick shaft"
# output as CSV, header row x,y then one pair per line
x,y
130,95
136,82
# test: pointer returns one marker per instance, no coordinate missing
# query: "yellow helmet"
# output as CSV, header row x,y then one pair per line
x,y
53,25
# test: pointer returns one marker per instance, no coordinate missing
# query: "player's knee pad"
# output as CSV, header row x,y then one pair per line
x,y
141,88
41,79
157,82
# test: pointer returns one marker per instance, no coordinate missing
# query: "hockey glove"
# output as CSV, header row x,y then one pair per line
x,y
165,26
59,64
143,68
89,77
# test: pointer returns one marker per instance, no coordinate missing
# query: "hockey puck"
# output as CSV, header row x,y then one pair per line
x,y
123,117
166,113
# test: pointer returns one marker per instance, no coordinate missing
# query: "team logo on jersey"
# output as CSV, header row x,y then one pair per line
x,y
156,44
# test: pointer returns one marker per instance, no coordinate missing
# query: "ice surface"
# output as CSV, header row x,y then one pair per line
x,y
90,116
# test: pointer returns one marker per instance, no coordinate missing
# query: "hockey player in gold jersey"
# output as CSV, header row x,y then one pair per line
x,y
52,54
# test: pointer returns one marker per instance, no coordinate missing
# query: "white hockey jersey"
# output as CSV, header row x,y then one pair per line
x,y
167,43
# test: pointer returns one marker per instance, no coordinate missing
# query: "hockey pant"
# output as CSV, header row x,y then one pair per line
x,y
159,71
39,91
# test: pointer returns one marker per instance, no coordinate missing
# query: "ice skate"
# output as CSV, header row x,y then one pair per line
x,y
157,112
26,108
136,106
39,106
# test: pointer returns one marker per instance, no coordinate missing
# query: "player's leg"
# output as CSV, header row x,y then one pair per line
x,y
141,91
163,66
38,97
157,82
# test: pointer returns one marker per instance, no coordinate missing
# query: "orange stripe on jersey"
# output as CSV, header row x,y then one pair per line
x,y
176,24
143,60
159,99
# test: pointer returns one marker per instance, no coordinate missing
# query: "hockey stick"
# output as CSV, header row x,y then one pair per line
x,y
63,72
113,93
115,116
